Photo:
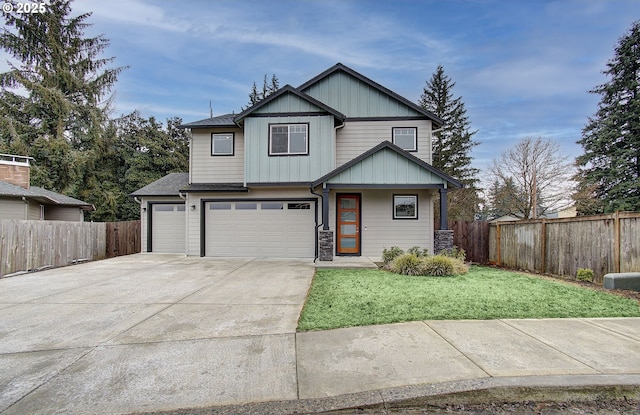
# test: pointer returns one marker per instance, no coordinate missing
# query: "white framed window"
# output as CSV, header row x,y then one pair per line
x,y
405,206
406,138
222,144
288,139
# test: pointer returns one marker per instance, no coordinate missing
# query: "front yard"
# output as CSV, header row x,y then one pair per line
x,y
346,298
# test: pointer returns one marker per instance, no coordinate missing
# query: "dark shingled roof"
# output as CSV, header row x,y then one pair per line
x,y
168,185
42,195
225,120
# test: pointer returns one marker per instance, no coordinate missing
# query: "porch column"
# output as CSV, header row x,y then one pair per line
x,y
325,208
325,236
444,221
443,238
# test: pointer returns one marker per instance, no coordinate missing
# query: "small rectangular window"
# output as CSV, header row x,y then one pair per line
x,y
222,144
405,206
246,206
272,206
299,206
406,138
219,206
163,208
180,208
287,140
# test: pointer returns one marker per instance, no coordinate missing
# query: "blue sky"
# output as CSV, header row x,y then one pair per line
x,y
523,68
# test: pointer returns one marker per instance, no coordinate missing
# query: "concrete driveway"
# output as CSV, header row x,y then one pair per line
x,y
150,332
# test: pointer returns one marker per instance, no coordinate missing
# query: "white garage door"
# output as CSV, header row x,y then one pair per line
x,y
168,229
282,229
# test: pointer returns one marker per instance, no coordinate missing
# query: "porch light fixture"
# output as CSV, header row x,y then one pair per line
x,y
193,207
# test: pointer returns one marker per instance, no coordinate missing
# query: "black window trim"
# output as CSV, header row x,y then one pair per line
x,y
270,154
415,138
393,204
233,144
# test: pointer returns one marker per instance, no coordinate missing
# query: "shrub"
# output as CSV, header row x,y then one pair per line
x,y
407,264
454,252
390,254
584,274
437,266
417,251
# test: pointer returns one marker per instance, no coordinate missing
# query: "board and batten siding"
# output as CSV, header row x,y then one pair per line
x,y
193,216
356,137
378,229
260,167
386,167
355,98
206,168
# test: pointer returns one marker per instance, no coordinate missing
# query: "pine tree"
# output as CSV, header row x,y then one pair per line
x,y
268,88
452,145
609,175
60,116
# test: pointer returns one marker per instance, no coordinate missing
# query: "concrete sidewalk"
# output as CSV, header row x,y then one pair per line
x,y
159,333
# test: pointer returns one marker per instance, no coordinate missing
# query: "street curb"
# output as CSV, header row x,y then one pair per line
x,y
562,388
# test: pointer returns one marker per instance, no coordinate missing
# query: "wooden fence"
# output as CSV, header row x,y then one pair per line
x,y
31,245
603,243
473,237
123,238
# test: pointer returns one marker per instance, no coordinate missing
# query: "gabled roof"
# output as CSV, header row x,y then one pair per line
x,y
342,68
168,185
394,148
225,120
42,195
288,89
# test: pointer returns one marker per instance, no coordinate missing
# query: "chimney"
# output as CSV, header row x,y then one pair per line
x,y
15,170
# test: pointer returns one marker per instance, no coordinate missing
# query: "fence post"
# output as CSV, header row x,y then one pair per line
x,y
498,259
616,241
543,245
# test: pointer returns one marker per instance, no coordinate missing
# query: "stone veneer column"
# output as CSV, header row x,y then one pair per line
x,y
442,239
325,245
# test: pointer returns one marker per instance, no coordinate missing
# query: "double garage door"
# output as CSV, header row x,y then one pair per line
x,y
268,228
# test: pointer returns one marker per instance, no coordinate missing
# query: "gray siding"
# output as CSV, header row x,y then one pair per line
x,y
12,209
378,229
34,211
72,214
386,167
356,137
355,98
206,168
288,103
261,168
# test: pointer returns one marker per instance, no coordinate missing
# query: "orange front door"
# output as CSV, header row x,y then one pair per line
x,y
348,224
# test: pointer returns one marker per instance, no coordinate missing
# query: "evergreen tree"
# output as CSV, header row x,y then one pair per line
x,y
51,101
452,145
268,88
609,175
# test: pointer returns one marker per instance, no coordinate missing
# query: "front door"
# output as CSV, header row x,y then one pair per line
x,y
348,224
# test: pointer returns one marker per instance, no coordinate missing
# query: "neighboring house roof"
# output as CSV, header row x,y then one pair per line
x,y
168,185
340,67
42,195
288,89
225,120
387,145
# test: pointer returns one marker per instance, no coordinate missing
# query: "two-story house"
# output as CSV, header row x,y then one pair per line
x,y
337,166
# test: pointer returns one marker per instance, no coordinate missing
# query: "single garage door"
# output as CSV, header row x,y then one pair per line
x,y
282,229
168,228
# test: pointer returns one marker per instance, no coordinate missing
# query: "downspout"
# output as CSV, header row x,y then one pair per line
x,y
26,207
317,224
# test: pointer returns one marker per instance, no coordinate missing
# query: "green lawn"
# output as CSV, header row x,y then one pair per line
x,y
346,298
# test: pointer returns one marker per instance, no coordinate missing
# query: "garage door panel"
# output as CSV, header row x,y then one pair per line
x,y
271,229
168,228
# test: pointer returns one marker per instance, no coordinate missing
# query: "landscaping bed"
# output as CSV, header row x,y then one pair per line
x,y
346,298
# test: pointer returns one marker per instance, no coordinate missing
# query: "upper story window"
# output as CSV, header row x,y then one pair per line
x,y
288,139
222,144
406,138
